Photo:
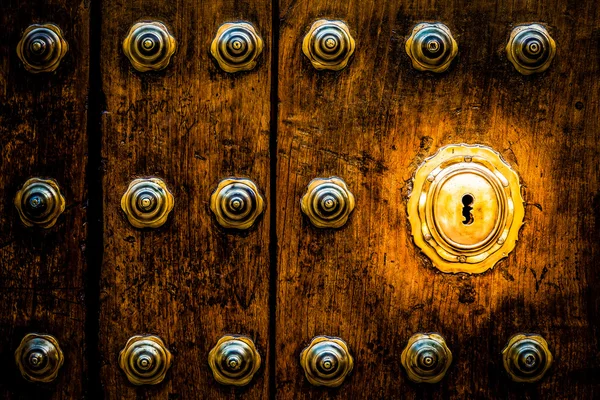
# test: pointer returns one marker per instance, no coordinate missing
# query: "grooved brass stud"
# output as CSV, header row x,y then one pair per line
x,y
145,360
41,48
147,203
149,46
431,47
327,202
39,202
426,358
328,45
526,357
234,360
39,357
236,46
530,49
326,361
236,203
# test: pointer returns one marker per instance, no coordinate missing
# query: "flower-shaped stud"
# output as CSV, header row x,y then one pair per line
x,y
39,357
149,46
147,203
236,203
530,49
327,202
328,45
526,357
234,360
145,360
236,46
39,202
42,48
326,361
431,47
426,358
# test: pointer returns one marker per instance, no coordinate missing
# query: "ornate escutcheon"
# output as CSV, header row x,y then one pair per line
x,y
327,202
234,360
431,47
530,48
465,208
40,203
426,358
39,357
236,203
145,360
236,46
149,46
147,203
526,357
328,45
41,48
326,361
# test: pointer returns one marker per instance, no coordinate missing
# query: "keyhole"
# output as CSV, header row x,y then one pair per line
x,y
467,201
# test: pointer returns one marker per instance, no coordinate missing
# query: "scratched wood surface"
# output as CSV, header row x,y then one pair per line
x,y
43,134
191,125
372,124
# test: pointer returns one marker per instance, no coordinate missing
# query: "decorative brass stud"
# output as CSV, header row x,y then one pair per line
x,y
426,358
465,208
39,202
236,46
234,360
147,203
326,361
327,202
526,357
149,46
39,357
145,360
431,47
41,48
530,49
328,45
236,203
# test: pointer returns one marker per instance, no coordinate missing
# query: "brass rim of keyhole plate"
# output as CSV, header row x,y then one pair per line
x,y
431,47
326,361
236,203
328,45
526,357
149,46
234,360
236,47
327,202
145,360
437,213
426,358
42,48
39,202
147,203
530,49
39,357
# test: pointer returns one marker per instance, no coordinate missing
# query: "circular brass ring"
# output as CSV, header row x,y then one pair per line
x,y
326,361
42,48
39,358
426,358
147,203
234,360
39,202
328,45
149,46
526,358
327,202
145,360
530,49
236,203
431,47
236,46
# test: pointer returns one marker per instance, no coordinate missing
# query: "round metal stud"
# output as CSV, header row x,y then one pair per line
x,y
328,45
41,48
327,202
426,358
40,203
234,360
431,47
39,357
147,203
530,49
326,361
236,203
145,360
526,357
149,46
236,47
466,208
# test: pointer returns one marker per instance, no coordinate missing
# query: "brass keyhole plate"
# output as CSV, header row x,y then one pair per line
x,y
466,208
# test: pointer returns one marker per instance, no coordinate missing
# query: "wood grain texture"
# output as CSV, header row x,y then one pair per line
x,y
372,124
191,125
43,133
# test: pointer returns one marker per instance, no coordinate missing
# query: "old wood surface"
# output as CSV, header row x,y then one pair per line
x,y
43,134
372,124
191,125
